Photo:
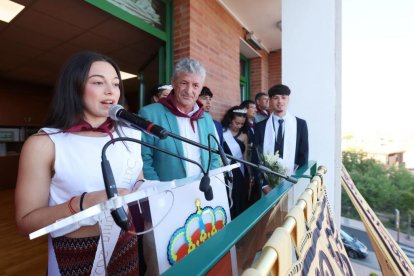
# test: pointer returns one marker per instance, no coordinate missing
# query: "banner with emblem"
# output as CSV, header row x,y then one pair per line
x,y
189,221
391,257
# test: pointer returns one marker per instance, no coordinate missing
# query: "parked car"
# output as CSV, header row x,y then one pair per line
x,y
354,248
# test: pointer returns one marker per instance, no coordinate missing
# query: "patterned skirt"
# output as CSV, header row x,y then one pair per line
x,y
75,256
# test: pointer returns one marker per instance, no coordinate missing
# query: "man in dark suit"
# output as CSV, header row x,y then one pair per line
x,y
282,132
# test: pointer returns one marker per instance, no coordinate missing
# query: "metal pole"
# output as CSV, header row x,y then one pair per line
x,y
397,223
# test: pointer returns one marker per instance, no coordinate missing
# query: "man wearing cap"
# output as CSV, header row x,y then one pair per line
x,y
282,131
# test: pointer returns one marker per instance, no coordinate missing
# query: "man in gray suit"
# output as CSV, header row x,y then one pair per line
x,y
262,106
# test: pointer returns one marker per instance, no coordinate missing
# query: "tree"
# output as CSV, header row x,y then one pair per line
x,y
383,188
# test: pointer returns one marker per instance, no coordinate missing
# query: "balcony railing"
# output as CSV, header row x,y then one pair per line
x,y
248,232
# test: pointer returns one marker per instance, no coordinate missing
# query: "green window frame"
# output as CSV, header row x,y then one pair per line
x,y
244,78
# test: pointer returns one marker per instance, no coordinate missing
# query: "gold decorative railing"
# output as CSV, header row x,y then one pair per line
x,y
244,236
295,246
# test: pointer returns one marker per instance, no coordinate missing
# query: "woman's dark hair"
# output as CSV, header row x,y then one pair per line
x,y
246,103
205,91
235,111
67,108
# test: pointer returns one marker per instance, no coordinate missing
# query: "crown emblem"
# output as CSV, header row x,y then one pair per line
x,y
198,227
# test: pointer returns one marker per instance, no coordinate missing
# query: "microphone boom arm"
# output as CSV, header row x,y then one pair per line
x,y
260,167
118,113
119,214
153,147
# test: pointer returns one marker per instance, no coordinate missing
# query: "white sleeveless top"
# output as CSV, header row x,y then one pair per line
x,y
78,163
78,169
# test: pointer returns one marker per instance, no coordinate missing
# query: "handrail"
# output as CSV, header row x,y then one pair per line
x,y
209,253
267,262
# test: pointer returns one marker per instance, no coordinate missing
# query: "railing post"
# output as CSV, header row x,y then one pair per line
x,y
397,223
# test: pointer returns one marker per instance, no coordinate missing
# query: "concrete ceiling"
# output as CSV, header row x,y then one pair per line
x,y
35,44
259,17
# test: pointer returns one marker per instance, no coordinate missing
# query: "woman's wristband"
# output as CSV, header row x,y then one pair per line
x,y
81,201
72,211
138,184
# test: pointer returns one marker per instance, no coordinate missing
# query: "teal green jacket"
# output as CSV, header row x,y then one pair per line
x,y
163,167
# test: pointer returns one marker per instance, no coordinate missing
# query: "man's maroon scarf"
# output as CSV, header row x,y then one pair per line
x,y
82,125
261,111
170,103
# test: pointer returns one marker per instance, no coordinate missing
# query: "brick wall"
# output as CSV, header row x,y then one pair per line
x,y
181,30
275,68
265,72
205,31
259,74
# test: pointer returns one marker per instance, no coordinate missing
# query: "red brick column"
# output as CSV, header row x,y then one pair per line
x,y
275,68
205,31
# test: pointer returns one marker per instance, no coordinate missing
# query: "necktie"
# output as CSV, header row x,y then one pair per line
x,y
279,140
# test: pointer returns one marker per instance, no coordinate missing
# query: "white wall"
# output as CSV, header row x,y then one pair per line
x,y
311,67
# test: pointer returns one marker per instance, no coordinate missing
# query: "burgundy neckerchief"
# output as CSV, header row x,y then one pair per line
x,y
170,103
261,111
82,125
251,124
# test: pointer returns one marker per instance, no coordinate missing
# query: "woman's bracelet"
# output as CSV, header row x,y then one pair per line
x,y
72,211
138,183
81,201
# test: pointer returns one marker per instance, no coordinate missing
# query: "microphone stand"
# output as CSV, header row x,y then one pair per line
x,y
119,215
137,122
258,166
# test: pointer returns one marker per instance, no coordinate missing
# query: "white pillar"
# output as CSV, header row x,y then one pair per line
x,y
311,67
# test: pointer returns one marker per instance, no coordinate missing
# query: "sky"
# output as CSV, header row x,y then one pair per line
x,y
378,67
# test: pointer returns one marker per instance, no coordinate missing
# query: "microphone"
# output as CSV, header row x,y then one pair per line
x,y
205,187
118,113
228,174
119,215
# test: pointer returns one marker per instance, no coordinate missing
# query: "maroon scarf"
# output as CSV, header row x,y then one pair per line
x,y
171,104
261,111
82,125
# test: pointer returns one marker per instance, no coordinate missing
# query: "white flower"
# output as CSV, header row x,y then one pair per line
x,y
275,163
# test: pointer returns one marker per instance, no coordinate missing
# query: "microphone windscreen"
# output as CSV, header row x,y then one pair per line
x,y
209,194
205,187
113,111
